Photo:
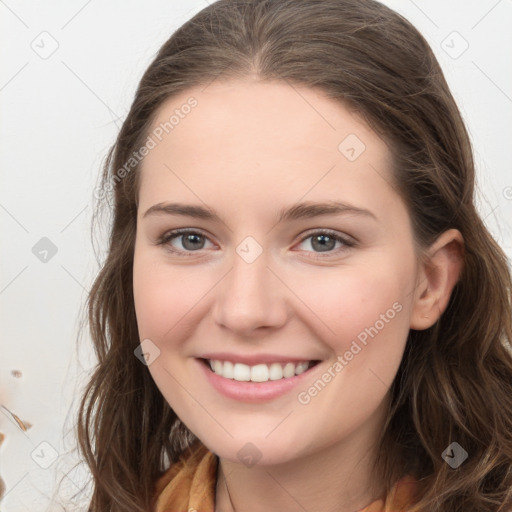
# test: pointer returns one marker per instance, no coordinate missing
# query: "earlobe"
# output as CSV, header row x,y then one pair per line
x,y
437,277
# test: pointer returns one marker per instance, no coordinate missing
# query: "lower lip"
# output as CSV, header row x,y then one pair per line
x,y
253,392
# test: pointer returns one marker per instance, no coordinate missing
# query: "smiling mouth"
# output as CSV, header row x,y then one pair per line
x,y
259,372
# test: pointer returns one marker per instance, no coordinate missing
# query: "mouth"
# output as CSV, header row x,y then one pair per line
x,y
262,372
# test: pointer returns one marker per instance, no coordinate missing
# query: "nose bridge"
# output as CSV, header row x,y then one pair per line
x,y
251,295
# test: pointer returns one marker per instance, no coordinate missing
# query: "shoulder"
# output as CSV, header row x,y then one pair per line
x,y
398,499
402,495
188,483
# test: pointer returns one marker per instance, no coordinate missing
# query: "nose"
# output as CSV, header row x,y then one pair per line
x,y
251,299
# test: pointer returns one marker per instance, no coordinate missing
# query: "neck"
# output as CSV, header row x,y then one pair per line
x,y
338,478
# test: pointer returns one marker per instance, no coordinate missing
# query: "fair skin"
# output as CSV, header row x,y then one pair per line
x,y
248,150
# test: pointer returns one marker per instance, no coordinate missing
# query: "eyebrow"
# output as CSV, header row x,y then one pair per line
x,y
304,210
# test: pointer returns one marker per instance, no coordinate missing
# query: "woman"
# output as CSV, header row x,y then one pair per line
x,y
319,317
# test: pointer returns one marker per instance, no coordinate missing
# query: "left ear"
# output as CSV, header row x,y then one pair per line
x,y
439,272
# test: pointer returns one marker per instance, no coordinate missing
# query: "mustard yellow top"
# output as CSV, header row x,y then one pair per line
x,y
189,486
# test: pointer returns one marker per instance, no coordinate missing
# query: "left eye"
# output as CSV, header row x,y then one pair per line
x,y
325,241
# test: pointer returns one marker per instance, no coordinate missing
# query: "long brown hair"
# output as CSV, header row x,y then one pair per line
x,y
455,380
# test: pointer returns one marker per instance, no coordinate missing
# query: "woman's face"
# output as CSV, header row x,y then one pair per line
x,y
255,174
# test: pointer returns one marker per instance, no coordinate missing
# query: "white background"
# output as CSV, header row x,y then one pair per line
x,y
60,114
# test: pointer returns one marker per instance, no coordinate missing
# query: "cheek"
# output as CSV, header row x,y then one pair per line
x,y
165,296
364,316
365,313
354,302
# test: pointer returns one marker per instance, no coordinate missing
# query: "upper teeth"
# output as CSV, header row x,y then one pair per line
x,y
257,373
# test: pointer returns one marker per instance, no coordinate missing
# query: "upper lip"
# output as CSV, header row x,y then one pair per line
x,y
254,359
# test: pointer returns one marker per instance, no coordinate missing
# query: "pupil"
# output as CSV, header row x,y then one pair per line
x,y
323,246
190,239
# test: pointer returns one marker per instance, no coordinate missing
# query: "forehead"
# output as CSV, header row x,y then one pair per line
x,y
254,138
276,116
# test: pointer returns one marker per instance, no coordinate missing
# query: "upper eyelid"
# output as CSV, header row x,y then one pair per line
x,y
176,233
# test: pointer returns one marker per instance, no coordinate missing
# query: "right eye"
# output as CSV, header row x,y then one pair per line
x,y
190,240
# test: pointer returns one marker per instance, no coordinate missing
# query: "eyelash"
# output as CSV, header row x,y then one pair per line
x,y
167,237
